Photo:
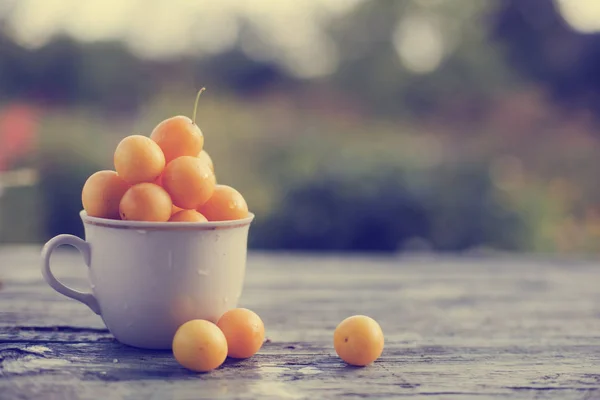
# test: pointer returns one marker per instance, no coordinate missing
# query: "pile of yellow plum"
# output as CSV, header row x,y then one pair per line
x,y
165,177
202,346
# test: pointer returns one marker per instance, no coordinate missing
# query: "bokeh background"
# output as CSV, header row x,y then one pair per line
x,y
348,125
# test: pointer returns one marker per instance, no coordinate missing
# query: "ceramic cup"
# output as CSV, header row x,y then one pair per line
x,y
148,278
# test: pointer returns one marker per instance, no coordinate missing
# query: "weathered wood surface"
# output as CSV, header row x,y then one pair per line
x,y
455,329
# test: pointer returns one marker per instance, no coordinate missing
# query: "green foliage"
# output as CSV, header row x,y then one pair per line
x,y
21,220
388,208
72,147
472,69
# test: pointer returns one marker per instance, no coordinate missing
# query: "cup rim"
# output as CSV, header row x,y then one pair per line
x,y
165,226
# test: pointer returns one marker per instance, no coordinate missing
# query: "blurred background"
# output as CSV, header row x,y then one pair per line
x,y
348,125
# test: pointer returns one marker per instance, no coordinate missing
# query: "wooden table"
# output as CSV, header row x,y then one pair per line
x,y
455,328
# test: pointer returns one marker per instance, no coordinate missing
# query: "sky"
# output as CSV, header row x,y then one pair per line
x,y
291,33
582,15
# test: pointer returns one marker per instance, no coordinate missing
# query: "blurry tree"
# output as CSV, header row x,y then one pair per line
x,y
541,45
236,72
49,73
64,72
413,57
401,59
111,77
350,213
387,208
62,175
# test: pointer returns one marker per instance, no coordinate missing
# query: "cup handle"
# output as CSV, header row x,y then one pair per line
x,y
84,248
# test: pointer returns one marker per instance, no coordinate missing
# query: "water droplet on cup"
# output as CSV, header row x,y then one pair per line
x,y
225,300
141,231
170,259
202,272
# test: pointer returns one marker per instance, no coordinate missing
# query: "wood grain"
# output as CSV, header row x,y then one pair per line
x,y
455,328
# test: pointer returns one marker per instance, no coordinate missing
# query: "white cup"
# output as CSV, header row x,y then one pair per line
x,y
148,278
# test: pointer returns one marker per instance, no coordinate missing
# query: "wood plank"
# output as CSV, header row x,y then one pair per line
x,y
455,328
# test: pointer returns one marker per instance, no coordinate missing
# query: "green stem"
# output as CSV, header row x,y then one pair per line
x,y
196,105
